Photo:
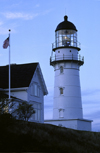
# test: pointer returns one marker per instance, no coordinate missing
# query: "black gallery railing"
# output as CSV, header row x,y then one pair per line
x,y
66,57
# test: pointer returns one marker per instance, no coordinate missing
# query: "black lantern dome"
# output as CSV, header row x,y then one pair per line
x,y
66,25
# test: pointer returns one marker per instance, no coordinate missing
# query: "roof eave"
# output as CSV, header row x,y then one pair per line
x,y
42,80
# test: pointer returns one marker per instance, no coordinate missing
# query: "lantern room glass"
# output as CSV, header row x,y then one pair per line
x,y
66,38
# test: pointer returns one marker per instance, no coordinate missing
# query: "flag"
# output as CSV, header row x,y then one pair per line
x,y
6,43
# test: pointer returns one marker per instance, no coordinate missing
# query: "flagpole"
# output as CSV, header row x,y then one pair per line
x,y
9,65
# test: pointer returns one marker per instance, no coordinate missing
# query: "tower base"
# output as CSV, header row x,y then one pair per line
x,y
77,124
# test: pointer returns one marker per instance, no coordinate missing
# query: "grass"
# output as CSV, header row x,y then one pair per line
x,y
21,136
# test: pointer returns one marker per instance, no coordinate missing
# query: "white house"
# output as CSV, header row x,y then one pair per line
x,y
27,84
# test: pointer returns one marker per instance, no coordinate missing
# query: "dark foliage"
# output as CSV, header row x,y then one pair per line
x,y
5,103
24,111
6,120
22,136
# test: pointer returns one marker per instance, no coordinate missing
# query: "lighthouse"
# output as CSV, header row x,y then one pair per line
x,y
66,61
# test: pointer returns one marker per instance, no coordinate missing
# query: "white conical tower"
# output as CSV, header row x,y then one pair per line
x,y
66,60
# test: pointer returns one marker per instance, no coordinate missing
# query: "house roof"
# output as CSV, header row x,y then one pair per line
x,y
21,75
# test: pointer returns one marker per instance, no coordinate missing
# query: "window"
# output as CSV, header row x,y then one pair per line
x,y
38,115
37,108
32,90
61,91
61,113
38,91
61,69
35,89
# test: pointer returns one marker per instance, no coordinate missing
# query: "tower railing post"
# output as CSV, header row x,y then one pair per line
x,y
79,57
83,58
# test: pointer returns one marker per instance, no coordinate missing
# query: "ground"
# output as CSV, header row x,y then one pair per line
x,y
22,136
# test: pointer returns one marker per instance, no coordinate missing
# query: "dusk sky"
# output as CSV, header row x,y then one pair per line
x,y
33,24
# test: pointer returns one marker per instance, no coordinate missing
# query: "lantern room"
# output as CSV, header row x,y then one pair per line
x,y
66,38
66,35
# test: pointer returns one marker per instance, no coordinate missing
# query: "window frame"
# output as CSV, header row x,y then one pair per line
x,y
61,113
61,69
38,108
35,89
61,90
